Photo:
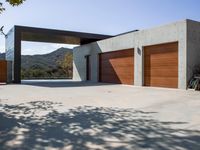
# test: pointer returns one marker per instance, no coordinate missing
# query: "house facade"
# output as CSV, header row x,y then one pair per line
x,y
164,56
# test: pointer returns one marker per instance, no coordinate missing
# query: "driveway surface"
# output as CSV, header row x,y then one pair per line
x,y
79,115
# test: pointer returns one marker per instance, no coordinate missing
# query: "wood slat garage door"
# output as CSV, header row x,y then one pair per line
x,y
117,67
161,65
3,71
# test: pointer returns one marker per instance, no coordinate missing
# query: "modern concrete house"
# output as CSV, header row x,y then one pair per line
x,y
164,56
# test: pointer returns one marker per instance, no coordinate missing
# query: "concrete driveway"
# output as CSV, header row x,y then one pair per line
x,y
75,115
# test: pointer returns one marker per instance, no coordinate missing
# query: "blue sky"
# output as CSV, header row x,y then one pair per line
x,y
95,16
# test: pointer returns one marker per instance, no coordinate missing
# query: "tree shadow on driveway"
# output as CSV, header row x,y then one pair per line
x,y
40,125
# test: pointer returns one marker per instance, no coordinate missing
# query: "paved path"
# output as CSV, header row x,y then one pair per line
x,y
75,115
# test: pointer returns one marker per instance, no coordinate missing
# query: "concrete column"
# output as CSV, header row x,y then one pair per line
x,y
138,65
182,65
9,71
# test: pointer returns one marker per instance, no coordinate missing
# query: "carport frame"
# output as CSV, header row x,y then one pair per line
x,y
16,35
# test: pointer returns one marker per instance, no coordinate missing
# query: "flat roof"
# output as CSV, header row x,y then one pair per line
x,y
35,34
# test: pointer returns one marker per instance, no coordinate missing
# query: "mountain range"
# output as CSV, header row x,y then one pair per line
x,y
43,61
45,65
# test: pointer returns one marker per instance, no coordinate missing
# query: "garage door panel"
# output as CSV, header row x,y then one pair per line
x,y
165,61
159,51
111,79
122,63
168,82
156,49
117,67
156,60
161,72
161,57
120,75
161,65
117,54
125,60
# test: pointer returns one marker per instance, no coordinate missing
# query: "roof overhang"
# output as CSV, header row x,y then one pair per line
x,y
56,36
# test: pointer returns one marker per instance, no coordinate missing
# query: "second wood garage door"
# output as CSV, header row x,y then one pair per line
x,y
117,67
161,65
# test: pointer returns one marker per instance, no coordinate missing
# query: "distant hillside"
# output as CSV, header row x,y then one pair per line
x,y
2,56
42,61
51,65
47,65
46,61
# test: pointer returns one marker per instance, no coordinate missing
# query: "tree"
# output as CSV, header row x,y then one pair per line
x,y
11,2
67,64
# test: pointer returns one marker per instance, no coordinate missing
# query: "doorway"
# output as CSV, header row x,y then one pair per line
x,y
88,68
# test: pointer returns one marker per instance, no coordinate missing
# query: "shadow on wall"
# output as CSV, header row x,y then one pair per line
x,y
39,125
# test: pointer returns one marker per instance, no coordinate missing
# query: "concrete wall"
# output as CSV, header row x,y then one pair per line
x,y
79,62
137,40
193,47
9,71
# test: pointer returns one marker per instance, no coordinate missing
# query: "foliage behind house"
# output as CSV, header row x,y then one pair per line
x,y
47,66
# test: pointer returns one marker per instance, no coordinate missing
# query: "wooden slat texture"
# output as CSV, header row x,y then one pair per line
x,y
161,65
3,71
117,67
